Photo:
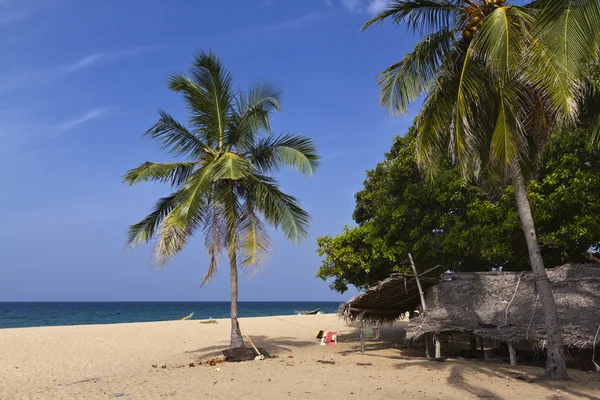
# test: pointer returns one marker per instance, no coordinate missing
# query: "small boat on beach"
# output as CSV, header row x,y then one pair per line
x,y
311,312
187,317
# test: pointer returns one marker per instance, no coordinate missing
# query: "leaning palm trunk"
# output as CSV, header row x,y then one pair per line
x,y
555,361
236,335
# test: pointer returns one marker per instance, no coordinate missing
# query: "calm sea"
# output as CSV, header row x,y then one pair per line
x,y
21,315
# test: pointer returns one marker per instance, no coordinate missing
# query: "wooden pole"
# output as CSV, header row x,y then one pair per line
x,y
423,305
362,334
513,354
430,269
438,346
250,340
412,263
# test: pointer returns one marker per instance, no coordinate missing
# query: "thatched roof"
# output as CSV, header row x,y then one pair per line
x,y
388,300
504,306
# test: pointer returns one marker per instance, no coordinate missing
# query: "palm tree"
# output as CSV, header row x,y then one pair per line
x,y
497,81
223,187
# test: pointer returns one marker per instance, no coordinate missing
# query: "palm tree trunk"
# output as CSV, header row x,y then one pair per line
x,y
555,361
236,334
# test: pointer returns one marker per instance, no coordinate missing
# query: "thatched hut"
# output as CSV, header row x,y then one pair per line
x,y
387,301
504,306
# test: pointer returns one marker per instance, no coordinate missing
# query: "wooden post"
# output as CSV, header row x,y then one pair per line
x,y
513,354
362,334
423,305
438,346
473,340
412,263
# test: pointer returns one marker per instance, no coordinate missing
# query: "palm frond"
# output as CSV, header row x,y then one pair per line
x,y
571,29
550,76
209,95
253,237
175,173
252,114
273,153
230,166
423,16
405,81
175,138
144,231
216,82
279,209
215,238
500,39
470,92
172,236
507,143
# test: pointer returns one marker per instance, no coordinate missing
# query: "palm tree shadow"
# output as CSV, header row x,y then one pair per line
x,y
458,370
272,345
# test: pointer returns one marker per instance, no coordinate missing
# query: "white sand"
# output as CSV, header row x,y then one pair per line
x,y
115,361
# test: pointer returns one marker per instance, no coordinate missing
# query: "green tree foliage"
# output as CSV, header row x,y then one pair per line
x,y
459,225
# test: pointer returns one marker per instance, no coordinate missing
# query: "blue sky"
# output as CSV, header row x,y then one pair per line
x,y
81,80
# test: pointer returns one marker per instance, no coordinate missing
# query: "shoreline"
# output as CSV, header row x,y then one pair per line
x,y
157,322
28,315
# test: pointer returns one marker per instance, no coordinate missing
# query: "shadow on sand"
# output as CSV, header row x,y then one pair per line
x,y
272,345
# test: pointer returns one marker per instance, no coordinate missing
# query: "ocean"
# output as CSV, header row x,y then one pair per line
x,y
23,315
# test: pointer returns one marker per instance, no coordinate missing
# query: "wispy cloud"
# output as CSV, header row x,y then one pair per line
x,y
95,58
76,122
15,79
351,5
286,25
13,16
376,6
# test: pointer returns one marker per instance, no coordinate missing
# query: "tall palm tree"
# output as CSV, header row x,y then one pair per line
x,y
497,81
223,186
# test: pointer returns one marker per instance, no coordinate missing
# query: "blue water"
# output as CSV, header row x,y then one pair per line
x,y
21,315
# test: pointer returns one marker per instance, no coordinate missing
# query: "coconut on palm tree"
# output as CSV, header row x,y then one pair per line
x,y
497,81
223,187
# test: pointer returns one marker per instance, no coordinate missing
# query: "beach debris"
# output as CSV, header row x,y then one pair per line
x,y
326,362
213,361
259,358
290,356
363,364
154,365
209,321
164,366
244,354
192,364
217,370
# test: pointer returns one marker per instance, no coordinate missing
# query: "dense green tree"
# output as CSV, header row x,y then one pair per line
x,y
224,188
456,224
498,80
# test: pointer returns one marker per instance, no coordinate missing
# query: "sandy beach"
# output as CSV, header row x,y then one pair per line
x,y
117,361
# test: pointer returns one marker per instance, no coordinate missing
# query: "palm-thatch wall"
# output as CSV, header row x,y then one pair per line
x,y
504,306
